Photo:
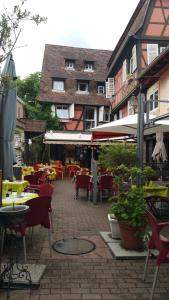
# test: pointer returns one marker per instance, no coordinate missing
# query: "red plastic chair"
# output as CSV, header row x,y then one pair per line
x,y
83,182
37,215
159,243
72,170
46,189
105,182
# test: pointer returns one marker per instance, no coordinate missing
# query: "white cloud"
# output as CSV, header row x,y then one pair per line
x,y
88,24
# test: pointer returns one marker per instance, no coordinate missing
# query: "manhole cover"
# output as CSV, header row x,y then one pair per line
x,y
73,246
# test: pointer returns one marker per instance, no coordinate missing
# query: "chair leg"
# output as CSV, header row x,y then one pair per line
x,y
146,264
51,221
154,282
24,249
50,243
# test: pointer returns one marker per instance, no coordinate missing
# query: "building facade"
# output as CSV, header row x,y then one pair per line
x,y
145,37
73,82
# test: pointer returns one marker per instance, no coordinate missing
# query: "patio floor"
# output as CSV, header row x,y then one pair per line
x,y
96,275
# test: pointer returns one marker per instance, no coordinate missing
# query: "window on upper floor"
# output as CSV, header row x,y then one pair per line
x,y
100,88
110,87
70,64
58,85
154,96
62,111
133,60
104,114
153,50
88,66
90,117
83,87
131,107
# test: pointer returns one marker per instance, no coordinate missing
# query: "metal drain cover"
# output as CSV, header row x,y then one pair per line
x,y
73,246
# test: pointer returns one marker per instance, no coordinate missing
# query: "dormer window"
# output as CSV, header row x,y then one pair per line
x,y
70,64
88,66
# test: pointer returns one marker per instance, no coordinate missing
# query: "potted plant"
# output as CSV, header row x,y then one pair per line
x,y
129,210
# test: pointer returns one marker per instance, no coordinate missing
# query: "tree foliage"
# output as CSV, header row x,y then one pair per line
x,y
11,26
117,154
28,88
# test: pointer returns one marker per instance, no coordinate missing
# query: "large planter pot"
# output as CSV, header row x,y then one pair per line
x,y
114,227
131,238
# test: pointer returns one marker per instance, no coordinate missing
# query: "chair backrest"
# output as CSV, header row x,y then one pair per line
x,y
39,212
46,189
38,174
32,179
106,182
83,181
155,237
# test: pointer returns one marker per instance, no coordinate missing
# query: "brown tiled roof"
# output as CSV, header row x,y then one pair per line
x,y
35,125
54,67
133,26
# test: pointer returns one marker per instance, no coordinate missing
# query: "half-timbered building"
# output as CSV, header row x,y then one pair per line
x,y
145,37
73,82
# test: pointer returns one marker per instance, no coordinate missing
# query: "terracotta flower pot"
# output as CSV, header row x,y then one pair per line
x,y
131,238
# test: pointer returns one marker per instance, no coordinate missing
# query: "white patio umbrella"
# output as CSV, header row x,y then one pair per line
x,y
159,153
123,126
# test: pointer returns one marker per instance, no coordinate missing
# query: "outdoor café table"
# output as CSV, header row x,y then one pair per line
x,y
14,199
16,185
157,190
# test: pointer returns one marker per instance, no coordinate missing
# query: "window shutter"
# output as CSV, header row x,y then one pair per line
x,y
71,111
124,71
101,113
152,52
134,56
110,90
53,112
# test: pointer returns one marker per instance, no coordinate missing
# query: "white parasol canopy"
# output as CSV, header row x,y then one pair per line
x,y
159,153
123,126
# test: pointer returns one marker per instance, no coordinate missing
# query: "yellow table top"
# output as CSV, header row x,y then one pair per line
x,y
6,184
18,199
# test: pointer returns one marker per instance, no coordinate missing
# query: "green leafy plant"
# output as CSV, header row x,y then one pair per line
x,y
117,154
130,207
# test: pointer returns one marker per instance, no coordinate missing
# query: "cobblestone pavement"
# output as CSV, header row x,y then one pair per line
x,y
93,276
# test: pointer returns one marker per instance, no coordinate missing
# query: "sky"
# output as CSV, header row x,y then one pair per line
x,y
94,24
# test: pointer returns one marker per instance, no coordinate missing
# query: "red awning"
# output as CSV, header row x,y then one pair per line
x,y
96,135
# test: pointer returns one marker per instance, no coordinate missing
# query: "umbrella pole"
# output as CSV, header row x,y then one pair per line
x,y
140,134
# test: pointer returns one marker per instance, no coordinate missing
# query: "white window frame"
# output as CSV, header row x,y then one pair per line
x,y
124,71
93,122
81,91
88,66
58,85
69,64
101,89
63,107
151,95
152,52
130,108
70,109
134,59
106,111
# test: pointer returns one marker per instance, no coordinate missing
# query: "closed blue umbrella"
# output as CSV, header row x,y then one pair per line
x,y
7,118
